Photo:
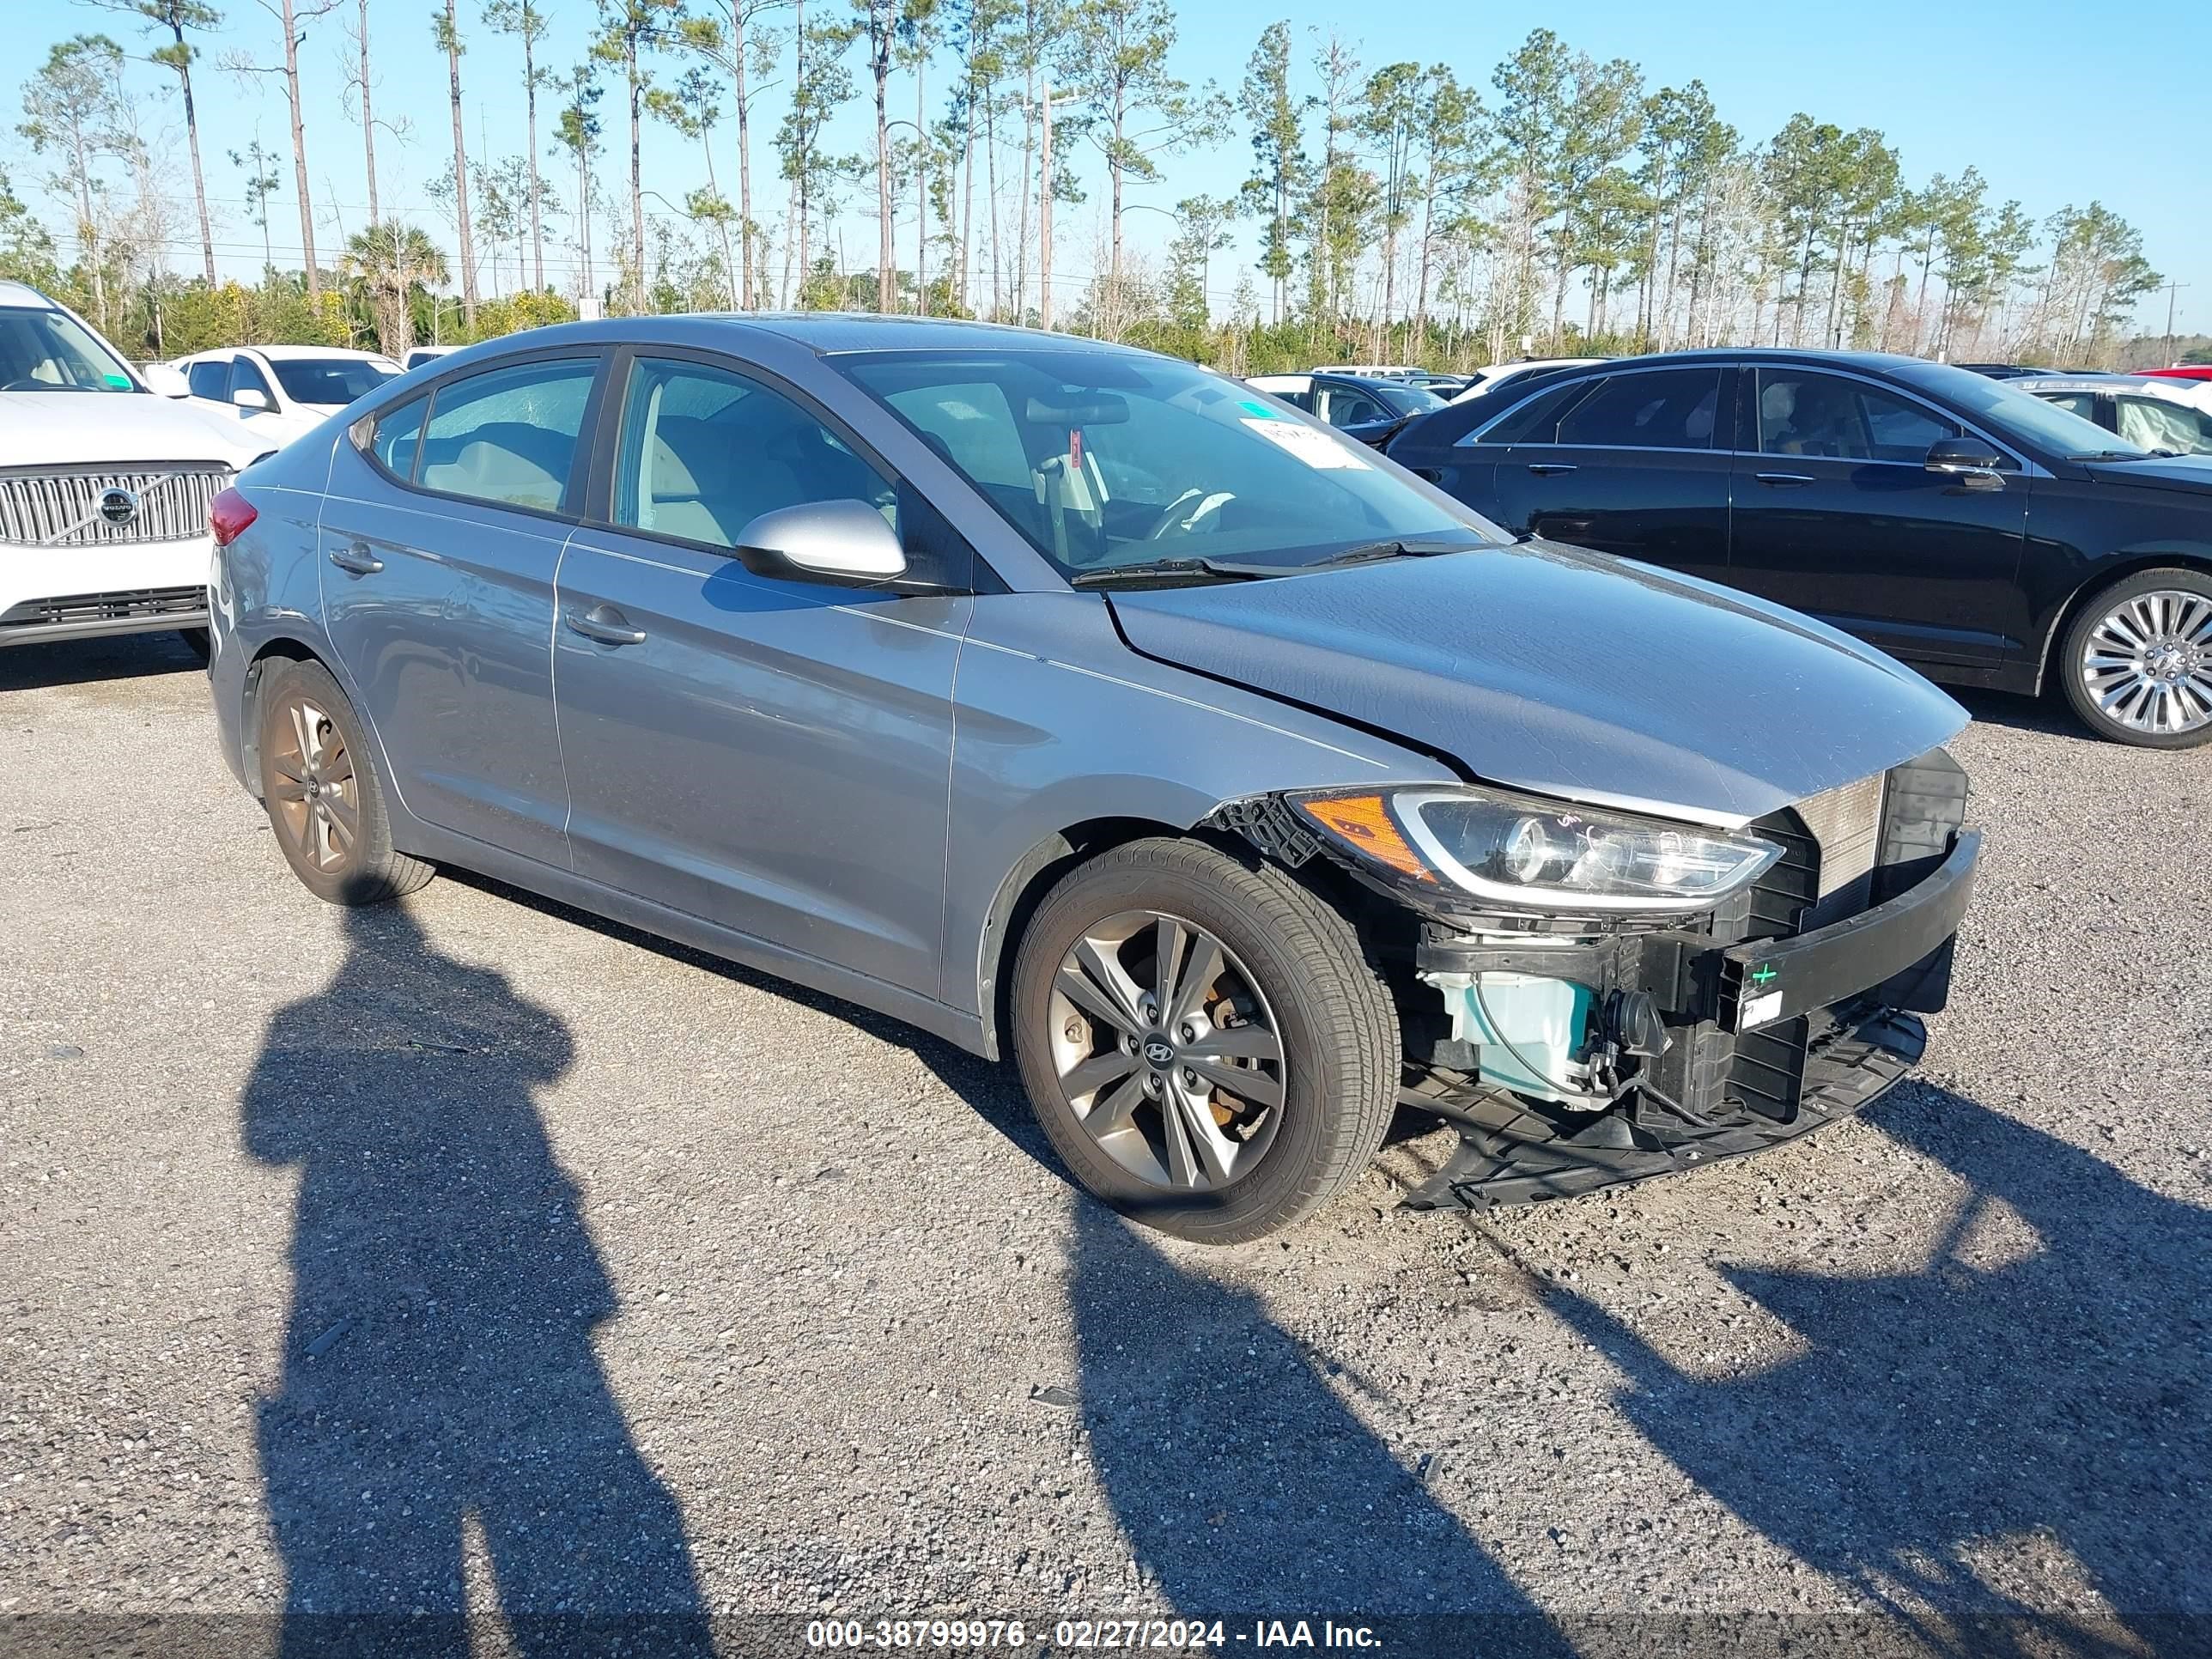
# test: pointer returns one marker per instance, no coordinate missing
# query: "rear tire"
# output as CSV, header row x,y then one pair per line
x,y
324,795
1296,1006
2136,663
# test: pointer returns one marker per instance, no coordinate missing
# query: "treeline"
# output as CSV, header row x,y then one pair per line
x,y
1403,211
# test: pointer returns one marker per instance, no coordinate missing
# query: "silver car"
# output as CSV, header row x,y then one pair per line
x,y
1081,705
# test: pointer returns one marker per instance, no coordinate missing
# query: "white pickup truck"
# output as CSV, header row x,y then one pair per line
x,y
105,479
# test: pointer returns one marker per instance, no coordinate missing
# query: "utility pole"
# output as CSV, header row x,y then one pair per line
x,y
2171,289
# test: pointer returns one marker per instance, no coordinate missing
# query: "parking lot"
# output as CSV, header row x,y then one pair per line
x,y
470,1249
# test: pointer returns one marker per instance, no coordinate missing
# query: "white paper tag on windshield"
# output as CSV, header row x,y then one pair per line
x,y
1313,448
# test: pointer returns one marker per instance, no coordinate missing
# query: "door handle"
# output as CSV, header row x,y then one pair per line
x,y
1784,480
1546,469
356,558
605,624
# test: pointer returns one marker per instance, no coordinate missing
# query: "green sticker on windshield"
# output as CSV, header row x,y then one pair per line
x,y
1261,410
121,382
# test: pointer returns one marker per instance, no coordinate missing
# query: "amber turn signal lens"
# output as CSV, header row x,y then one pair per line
x,y
1364,822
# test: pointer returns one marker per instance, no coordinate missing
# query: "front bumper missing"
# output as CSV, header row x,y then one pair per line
x,y
1509,1155
1842,991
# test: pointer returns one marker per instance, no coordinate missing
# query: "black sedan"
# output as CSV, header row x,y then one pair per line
x,y
1982,534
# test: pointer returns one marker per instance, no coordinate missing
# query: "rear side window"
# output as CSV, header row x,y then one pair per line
x,y
210,380
507,435
1537,421
397,438
1670,409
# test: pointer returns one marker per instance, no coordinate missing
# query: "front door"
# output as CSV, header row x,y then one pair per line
x,y
772,756
440,545
1638,467
1837,515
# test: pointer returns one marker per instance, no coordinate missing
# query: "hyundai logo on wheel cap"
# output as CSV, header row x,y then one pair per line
x,y
1158,1052
118,506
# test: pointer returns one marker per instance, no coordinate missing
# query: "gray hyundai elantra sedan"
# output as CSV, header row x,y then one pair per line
x,y
1078,704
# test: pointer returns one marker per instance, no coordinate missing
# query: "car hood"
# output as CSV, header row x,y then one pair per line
x,y
83,428
2190,472
1547,669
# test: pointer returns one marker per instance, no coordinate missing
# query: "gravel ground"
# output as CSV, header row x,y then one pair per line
x,y
468,1255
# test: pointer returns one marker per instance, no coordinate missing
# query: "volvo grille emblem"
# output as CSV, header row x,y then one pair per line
x,y
1158,1052
118,506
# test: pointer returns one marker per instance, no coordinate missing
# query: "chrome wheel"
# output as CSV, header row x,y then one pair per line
x,y
312,786
2146,664
1167,1051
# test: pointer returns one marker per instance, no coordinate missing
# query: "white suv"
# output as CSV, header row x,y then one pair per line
x,y
275,393
105,480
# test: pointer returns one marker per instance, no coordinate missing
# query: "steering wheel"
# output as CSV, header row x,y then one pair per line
x,y
28,382
1192,511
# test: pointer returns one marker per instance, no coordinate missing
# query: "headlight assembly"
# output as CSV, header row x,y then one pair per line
x,y
1528,854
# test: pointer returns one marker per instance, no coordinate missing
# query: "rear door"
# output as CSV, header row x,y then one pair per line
x,y
1837,516
772,756
1637,465
440,541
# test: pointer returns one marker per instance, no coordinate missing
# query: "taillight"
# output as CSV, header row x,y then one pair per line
x,y
228,516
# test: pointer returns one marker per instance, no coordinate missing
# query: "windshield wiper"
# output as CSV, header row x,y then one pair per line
x,y
1368,552
1108,575
2126,455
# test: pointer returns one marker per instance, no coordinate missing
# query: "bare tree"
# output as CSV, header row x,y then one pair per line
x,y
294,20
446,34
522,20
629,29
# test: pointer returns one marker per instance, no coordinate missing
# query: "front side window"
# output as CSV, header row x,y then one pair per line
x,y
2158,425
1103,461
245,377
1341,405
43,351
1805,414
507,435
336,381
706,451
1668,408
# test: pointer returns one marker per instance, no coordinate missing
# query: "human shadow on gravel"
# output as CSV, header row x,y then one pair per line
x,y
1245,1486
2016,1394
438,1361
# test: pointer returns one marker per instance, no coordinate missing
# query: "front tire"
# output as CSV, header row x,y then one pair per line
x,y
1207,1043
324,797
2136,663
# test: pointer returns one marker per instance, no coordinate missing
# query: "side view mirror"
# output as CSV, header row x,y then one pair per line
x,y
250,399
844,543
1970,460
166,380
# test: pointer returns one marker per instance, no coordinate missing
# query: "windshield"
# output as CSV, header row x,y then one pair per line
x,y
1407,399
333,380
1104,462
43,351
2019,415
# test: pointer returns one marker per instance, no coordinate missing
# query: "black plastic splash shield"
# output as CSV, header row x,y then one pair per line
x,y
1508,1154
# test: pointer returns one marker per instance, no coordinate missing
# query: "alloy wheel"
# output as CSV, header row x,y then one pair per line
x,y
2148,663
314,786
1167,1051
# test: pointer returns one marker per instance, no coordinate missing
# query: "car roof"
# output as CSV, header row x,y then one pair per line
x,y
826,333
2114,383
22,294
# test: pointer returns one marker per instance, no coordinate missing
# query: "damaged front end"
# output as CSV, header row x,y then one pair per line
x,y
1593,997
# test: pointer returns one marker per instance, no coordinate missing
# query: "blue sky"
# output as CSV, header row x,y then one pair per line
x,y
2054,102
